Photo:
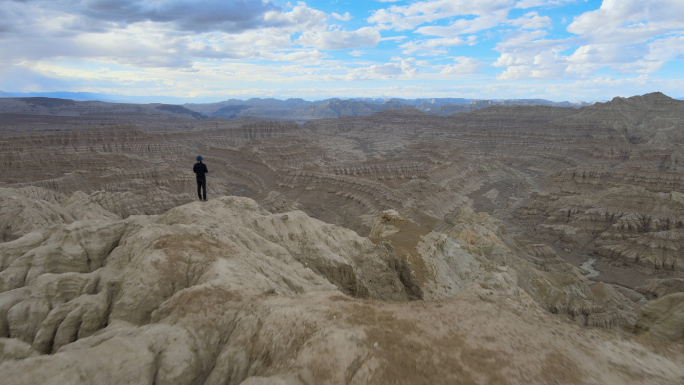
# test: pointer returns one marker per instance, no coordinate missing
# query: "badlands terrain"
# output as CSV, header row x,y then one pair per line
x,y
514,244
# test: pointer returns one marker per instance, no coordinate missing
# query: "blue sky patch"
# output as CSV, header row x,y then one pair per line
x,y
219,49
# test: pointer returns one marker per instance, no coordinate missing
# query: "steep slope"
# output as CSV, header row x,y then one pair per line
x,y
224,292
31,208
652,118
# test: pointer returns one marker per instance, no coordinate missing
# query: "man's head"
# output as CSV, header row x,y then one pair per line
x,y
199,158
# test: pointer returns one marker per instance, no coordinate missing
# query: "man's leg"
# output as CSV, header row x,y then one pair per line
x,y
199,190
204,191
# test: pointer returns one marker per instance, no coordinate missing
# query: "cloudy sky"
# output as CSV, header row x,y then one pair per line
x,y
212,50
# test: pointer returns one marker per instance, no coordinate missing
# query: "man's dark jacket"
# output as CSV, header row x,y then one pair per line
x,y
200,170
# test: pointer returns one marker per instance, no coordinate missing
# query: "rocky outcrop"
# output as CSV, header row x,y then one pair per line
x,y
539,271
663,318
31,208
657,288
628,224
130,267
224,292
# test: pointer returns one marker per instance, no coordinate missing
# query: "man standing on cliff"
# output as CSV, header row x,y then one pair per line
x,y
201,171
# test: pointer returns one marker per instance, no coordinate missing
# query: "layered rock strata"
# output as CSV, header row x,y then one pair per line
x,y
601,185
224,292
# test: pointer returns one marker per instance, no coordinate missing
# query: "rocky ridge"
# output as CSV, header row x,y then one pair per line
x,y
225,292
301,111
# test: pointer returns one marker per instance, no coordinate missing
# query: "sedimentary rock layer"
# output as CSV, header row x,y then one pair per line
x,y
225,292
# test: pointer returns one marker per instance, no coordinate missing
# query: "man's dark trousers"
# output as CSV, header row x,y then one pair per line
x,y
202,188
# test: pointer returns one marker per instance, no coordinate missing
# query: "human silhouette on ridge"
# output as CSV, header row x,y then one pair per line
x,y
200,169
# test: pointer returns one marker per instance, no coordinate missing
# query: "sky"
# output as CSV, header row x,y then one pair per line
x,y
212,50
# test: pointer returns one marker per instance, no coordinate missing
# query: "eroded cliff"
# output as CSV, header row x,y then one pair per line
x,y
224,292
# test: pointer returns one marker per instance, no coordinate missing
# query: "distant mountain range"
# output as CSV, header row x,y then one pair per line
x,y
90,96
67,107
297,110
300,110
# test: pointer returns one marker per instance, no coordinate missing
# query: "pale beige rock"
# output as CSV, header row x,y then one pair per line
x,y
544,276
20,215
450,269
663,317
503,279
677,197
224,292
12,349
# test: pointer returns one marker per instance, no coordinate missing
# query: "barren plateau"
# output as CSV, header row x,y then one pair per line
x,y
513,244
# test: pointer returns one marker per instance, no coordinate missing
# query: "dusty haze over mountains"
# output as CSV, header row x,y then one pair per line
x,y
345,242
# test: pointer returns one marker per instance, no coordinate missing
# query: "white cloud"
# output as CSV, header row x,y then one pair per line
x,y
524,4
307,56
408,66
220,81
465,26
629,36
301,18
626,36
388,71
523,39
638,58
668,48
526,55
464,65
629,21
489,14
47,32
232,46
345,17
338,39
531,20
393,38
431,46
410,16
465,18
231,16
544,65
591,57
385,71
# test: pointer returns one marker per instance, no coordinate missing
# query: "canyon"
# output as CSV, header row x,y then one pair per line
x,y
510,244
